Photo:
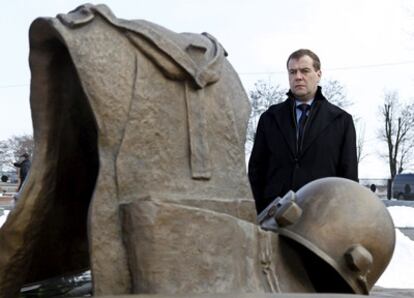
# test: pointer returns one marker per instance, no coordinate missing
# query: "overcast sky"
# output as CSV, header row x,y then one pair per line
x,y
368,45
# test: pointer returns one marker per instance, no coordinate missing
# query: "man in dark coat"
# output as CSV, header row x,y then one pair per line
x,y
24,165
290,150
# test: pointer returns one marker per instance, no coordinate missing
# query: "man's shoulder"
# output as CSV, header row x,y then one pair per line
x,y
335,109
278,107
329,106
273,111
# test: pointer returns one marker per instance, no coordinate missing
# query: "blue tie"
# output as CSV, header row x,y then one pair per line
x,y
302,120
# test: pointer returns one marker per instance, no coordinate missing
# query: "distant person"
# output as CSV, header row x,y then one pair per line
x,y
24,166
373,188
301,139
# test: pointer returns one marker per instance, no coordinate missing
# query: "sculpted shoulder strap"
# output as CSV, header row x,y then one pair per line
x,y
177,47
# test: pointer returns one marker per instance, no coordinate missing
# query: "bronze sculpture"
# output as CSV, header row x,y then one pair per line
x,y
340,222
139,168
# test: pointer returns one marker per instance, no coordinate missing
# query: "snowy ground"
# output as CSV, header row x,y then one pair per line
x,y
400,272
4,217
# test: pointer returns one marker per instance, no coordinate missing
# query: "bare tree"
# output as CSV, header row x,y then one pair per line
x,y
261,98
335,92
360,141
12,148
397,132
264,95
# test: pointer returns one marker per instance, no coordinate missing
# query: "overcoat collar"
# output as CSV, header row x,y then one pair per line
x,y
321,115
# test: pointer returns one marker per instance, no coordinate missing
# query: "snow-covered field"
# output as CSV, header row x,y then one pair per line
x,y
4,217
400,272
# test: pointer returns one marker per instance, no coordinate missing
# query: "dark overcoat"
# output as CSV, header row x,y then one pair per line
x,y
278,163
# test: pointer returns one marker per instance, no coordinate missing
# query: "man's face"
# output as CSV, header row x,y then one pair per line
x,y
303,78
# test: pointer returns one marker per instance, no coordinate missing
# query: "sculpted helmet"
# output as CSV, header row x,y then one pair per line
x,y
343,232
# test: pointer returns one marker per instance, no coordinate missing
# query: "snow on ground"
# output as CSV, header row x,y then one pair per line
x,y
400,271
4,217
402,216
